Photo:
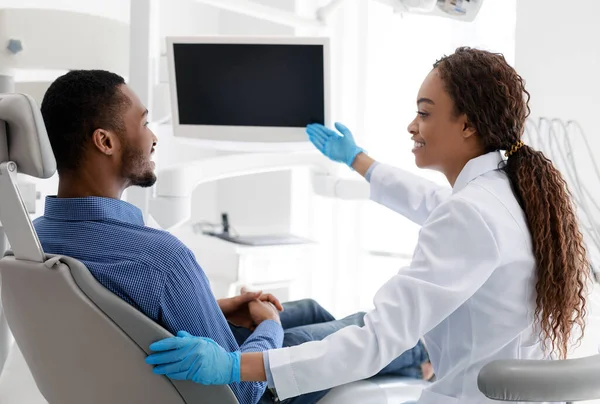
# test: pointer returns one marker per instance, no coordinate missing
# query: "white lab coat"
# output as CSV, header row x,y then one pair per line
x,y
469,291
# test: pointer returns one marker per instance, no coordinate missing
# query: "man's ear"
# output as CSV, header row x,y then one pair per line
x,y
105,142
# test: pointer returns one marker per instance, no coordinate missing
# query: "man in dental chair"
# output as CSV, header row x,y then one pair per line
x,y
98,131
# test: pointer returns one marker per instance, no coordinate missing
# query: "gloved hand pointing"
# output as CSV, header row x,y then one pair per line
x,y
202,360
341,148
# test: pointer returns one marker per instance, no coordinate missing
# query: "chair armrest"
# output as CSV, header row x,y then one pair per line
x,y
541,380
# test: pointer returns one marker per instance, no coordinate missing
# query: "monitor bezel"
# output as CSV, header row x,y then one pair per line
x,y
245,134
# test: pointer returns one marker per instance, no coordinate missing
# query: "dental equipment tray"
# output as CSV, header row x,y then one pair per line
x,y
263,240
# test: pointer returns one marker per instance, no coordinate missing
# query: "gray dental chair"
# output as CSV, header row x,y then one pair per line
x,y
82,343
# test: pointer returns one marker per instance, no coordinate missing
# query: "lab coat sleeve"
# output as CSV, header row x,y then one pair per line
x,y
405,193
455,255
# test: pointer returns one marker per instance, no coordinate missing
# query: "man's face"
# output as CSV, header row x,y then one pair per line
x,y
138,143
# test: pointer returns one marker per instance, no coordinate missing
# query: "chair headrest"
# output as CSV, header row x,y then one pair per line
x,y
27,142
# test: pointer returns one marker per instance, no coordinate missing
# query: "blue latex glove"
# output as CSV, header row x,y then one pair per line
x,y
202,360
341,148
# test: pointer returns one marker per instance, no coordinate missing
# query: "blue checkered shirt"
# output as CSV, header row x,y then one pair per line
x,y
150,269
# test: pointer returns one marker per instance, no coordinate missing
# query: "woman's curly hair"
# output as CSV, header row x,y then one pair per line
x,y
492,95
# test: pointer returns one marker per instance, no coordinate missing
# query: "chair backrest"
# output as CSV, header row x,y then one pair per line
x,y
82,343
6,339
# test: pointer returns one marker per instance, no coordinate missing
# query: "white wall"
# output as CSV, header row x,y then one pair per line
x,y
238,24
115,9
58,40
558,55
186,17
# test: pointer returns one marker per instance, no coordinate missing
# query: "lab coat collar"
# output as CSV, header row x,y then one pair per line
x,y
477,167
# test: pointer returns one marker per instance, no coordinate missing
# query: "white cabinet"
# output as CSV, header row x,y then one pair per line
x,y
281,269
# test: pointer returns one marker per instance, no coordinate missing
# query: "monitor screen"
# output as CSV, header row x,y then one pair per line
x,y
249,84
244,89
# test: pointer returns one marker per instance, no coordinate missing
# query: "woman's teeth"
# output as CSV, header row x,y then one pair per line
x,y
419,144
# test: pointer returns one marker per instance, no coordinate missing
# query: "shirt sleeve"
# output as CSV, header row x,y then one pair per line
x,y
189,304
455,255
410,195
270,383
370,171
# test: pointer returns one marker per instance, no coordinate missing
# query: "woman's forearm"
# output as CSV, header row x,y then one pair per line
x,y
252,367
361,163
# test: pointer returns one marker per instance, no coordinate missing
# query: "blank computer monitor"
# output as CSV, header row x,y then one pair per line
x,y
248,89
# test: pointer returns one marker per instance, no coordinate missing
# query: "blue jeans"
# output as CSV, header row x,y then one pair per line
x,y
305,320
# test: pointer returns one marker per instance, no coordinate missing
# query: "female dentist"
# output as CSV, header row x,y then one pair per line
x,y
499,271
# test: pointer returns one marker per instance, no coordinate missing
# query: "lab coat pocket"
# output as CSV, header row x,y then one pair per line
x,y
429,397
531,351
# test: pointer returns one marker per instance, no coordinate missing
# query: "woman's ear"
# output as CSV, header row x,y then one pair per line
x,y
105,141
468,129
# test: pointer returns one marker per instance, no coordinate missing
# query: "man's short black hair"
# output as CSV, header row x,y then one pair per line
x,y
77,104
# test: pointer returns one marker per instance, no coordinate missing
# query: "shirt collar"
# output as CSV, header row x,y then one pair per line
x,y
477,167
92,208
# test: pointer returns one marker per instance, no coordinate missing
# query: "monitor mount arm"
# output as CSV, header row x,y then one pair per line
x,y
171,204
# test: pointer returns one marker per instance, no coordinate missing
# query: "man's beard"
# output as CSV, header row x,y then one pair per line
x,y
136,169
